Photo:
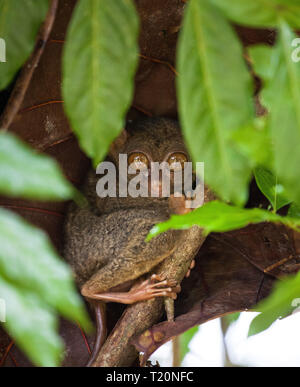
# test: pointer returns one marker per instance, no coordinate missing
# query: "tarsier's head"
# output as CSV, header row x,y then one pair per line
x,y
153,140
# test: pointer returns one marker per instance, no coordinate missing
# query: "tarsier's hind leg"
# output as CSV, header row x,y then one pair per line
x,y
141,291
157,286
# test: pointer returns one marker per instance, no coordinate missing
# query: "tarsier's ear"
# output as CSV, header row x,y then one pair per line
x,y
118,144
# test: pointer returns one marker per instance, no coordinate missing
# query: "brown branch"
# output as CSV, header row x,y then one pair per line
x,y
21,86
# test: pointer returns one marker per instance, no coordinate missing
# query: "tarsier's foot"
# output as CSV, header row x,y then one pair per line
x,y
192,265
157,286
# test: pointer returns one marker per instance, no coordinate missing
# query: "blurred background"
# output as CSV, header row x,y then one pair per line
x,y
279,346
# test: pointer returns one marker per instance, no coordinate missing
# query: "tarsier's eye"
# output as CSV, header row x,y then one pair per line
x,y
138,161
177,160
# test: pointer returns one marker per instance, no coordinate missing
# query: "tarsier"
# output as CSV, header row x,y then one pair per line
x,y
105,241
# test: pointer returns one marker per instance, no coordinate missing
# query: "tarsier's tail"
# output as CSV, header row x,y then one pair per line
x,y
101,331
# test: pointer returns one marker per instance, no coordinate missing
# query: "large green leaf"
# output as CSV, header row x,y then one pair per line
x,y
99,63
261,13
28,260
270,187
215,98
19,24
281,95
283,300
25,173
216,216
32,325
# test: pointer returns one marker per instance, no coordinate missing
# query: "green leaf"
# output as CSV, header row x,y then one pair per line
x,y
271,188
99,63
294,211
28,260
281,95
25,173
19,24
215,98
185,340
261,57
264,58
32,325
254,143
261,13
282,301
216,216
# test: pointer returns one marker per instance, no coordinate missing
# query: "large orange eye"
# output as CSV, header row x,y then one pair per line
x,y
138,161
177,160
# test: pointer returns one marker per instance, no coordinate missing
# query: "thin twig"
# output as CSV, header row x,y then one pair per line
x,y
142,110
279,263
40,105
9,347
163,62
21,86
33,209
58,142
